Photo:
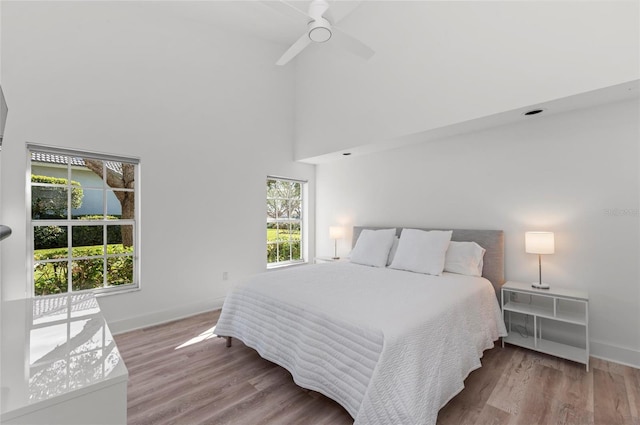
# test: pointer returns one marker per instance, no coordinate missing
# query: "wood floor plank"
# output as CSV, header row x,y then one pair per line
x,y
208,386
567,414
248,410
608,366
204,382
575,383
169,382
611,403
309,410
541,391
288,411
199,369
469,404
510,388
492,416
632,384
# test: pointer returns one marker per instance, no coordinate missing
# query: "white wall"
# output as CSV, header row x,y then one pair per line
x,y
558,172
207,112
439,63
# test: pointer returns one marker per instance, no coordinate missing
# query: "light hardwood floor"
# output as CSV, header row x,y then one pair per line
x,y
180,374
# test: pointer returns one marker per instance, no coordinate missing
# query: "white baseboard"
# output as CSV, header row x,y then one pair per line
x,y
614,353
164,316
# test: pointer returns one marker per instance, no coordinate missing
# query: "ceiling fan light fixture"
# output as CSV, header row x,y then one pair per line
x,y
319,30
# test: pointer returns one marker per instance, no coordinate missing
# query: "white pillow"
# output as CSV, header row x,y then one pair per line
x,y
422,251
392,252
372,247
464,258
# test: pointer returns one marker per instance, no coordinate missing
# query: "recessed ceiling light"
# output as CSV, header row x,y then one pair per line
x,y
533,112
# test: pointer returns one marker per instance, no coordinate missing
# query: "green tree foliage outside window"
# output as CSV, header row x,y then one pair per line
x,y
70,255
284,220
51,278
51,201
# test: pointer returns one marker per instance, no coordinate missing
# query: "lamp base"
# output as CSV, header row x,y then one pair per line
x,y
539,285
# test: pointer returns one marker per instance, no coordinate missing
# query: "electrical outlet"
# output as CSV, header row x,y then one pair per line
x,y
225,275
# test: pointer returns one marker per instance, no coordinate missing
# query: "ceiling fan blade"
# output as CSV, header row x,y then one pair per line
x,y
328,15
293,51
354,45
342,9
287,9
318,9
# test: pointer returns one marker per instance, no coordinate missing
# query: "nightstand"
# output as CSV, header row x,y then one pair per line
x,y
318,260
564,314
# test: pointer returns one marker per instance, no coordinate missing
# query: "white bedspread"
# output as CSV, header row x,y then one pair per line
x,y
392,347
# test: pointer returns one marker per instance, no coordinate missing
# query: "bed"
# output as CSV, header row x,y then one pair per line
x,y
391,346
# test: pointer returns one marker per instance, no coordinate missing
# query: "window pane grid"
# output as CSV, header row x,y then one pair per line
x,y
284,221
53,260
63,186
119,255
75,249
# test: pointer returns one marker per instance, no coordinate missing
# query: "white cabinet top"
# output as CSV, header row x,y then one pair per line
x,y
53,349
554,291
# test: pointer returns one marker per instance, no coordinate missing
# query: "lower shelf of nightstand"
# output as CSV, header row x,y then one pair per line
x,y
564,351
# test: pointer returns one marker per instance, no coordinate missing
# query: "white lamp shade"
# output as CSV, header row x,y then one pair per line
x,y
539,242
336,232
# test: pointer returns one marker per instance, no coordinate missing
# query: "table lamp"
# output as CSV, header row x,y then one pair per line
x,y
335,233
539,243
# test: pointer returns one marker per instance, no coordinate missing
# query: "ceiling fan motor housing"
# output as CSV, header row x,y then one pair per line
x,y
319,30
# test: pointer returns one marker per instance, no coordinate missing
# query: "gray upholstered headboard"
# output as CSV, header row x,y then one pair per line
x,y
491,240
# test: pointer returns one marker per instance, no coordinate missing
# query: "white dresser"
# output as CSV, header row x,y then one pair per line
x,y
60,364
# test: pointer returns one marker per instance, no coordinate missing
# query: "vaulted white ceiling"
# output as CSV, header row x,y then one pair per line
x,y
441,67
260,19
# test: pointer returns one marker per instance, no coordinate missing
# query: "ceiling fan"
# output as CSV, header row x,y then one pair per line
x,y
320,28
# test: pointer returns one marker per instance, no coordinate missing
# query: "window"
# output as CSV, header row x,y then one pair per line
x,y
284,221
84,221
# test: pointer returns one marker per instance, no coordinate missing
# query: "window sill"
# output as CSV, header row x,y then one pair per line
x,y
116,292
285,265
97,294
